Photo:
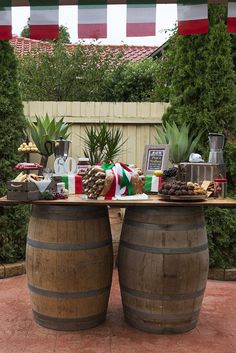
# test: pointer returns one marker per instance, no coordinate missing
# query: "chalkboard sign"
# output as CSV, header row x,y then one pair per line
x,y
155,158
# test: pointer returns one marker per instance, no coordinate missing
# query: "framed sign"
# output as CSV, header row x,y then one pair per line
x,y
156,157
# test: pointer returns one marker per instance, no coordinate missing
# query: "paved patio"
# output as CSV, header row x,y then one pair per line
x,y
215,333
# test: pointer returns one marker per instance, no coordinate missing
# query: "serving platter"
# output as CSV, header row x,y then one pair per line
x,y
183,198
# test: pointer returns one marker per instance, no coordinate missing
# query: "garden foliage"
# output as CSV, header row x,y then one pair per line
x,y
13,220
87,74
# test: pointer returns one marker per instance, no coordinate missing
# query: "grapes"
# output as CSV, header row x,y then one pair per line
x,y
171,172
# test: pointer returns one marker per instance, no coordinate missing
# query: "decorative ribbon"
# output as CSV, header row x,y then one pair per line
x,y
122,179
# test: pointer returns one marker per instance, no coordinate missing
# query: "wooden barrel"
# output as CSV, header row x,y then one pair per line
x,y
163,266
69,265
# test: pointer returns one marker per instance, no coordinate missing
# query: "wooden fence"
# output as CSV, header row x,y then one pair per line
x,y
137,121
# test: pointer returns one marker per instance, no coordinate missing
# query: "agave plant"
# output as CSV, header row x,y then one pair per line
x,y
102,143
45,129
181,142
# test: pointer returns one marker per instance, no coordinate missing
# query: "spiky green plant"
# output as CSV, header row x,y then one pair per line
x,y
102,143
45,129
181,141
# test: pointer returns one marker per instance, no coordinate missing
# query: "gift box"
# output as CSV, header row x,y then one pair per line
x,y
73,183
152,183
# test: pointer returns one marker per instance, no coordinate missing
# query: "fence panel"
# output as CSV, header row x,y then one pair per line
x,y
136,120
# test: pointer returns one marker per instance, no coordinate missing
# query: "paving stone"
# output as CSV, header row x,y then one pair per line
x,y
230,274
215,332
216,274
15,269
2,272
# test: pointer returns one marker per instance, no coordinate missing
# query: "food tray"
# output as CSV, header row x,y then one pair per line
x,y
183,198
28,152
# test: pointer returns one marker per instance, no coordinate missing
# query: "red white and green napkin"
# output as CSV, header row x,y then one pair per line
x,y
141,18
152,183
192,16
231,20
44,19
5,20
92,18
73,183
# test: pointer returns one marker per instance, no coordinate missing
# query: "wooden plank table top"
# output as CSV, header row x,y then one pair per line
x,y
152,201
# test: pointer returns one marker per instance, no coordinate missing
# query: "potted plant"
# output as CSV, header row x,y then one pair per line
x,y
181,141
46,129
104,144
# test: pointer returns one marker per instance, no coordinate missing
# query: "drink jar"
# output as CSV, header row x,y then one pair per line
x,y
83,166
220,188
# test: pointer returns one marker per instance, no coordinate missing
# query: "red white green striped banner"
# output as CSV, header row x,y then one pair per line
x,y
44,19
231,20
141,18
5,20
92,19
192,16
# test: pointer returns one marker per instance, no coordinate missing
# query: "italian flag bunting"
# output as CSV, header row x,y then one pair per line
x,y
192,16
92,18
5,20
231,20
141,18
44,19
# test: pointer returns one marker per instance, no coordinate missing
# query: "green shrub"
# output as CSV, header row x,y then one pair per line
x,y
221,230
203,94
14,223
13,220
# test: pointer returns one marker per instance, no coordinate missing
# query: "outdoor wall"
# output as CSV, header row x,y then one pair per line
x,y
136,120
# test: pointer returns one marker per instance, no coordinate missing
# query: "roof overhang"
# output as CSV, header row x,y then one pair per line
x,y
75,2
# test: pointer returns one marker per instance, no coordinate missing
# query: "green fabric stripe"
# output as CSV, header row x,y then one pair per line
x,y
44,3
45,8
142,2
5,3
148,183
65,180
191,2
92,2
5,8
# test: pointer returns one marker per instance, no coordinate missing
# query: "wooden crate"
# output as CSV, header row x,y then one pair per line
x,y
197,172
22,191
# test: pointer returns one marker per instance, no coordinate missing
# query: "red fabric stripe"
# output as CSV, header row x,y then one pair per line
x,y
231,24
140,29
78,184
98,30
193,27
44,31
5,32
125,167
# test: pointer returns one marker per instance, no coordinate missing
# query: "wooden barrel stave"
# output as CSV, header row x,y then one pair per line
x,y
69,266
163,266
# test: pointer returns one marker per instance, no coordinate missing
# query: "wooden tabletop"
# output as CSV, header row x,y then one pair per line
x,y
152,201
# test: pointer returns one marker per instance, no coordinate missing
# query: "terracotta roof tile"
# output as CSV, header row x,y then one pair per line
x,y
132,53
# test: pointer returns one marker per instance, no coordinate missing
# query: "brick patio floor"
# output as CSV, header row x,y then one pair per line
x,y
215,333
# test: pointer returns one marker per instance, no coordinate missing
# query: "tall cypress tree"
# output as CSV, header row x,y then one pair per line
x,y
203,94
13,221
203,83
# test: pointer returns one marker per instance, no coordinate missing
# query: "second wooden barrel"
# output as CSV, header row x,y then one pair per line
x,y
163,267
69,265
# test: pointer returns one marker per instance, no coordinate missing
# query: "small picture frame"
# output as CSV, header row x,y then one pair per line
x,y
156,157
